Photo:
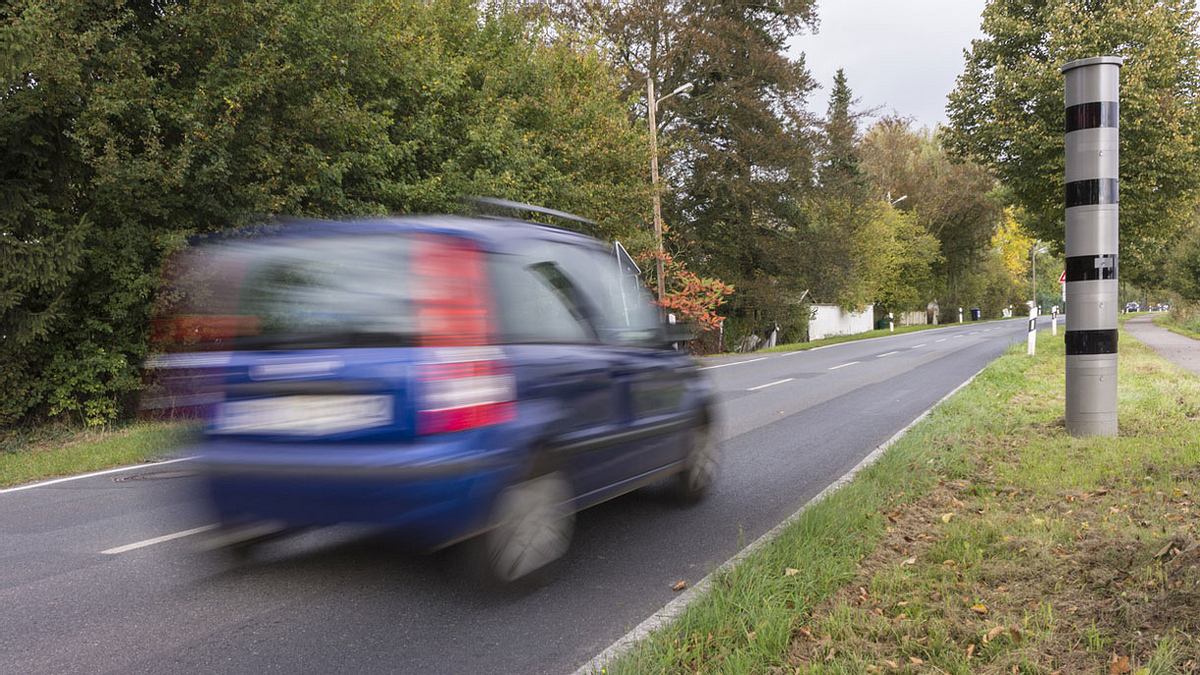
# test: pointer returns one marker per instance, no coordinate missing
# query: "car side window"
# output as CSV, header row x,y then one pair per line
x,y
624,313
535,302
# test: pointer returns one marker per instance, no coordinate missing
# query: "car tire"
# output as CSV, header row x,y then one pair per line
x,y
531,527
699,473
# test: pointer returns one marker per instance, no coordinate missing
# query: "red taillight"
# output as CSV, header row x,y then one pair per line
x,y
451,292
467,392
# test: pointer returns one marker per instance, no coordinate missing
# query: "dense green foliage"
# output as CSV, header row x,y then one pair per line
x,y
126,126
1007,112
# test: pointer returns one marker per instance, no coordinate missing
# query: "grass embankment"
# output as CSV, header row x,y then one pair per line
x,y
30,455
1187,327
837,339
986,540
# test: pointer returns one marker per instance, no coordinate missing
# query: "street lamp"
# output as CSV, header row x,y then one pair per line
x,y
652,112
1033,251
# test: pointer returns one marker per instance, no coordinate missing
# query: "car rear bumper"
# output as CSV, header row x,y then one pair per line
x,y
429,503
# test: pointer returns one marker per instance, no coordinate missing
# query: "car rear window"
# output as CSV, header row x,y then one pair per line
x,y
291,293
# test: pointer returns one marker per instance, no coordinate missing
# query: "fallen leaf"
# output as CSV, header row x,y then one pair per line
x,y
679,585
1118,665
950,563
908,561
791,572
915,661
993,634
970,650
946,517
805,632
979,608
902,603
891,664
751,635
1016,632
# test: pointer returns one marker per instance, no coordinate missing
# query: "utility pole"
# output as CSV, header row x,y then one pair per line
x,y
652,110
1090,198
652,117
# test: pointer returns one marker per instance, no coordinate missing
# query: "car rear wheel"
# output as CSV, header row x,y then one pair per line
x,y
700,467
532,526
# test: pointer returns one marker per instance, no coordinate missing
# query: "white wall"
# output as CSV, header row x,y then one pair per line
x,y
830,320
911,319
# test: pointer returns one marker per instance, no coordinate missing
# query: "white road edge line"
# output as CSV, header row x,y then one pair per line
x,y
880,356
157,540
917,346
942,340
771,384
959,335
675,607
844,365
30,486
733,363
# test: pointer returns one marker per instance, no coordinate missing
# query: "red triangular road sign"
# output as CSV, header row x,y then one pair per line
x,y
1062,278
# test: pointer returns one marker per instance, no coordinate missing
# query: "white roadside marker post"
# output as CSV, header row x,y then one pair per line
x,y
1032,338
891,323
960,314
1054,320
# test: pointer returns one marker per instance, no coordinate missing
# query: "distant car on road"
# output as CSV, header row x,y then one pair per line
x,y
454,379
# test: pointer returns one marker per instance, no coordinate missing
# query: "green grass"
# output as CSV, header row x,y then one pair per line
x,y
985,540
30,455
1186,328
837,339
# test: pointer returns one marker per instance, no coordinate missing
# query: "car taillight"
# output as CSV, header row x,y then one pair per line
x,y
451,292
466,392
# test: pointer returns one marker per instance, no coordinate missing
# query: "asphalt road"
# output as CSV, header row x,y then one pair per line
x,y
350,601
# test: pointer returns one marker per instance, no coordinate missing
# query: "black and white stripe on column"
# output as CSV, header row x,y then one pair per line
x,y
1091,197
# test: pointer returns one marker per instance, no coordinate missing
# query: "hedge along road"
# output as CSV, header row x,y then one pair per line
x,y
102,573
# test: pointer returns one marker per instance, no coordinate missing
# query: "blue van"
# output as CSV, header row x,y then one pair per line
x,y
454,379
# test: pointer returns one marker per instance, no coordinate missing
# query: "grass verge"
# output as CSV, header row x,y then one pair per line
x,y
837,339
985,540
30,455
1185,328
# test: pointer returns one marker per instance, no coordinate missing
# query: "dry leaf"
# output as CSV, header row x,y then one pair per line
x,y
970,650
915,661
679,585
891,664
993,634
1119,665
946,517
908,561
791,572
979,608
805,632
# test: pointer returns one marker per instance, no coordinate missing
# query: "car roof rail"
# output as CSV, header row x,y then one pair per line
x,y
495,203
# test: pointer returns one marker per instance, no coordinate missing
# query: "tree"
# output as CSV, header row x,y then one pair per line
x,y
956,201
1007,112
838,169
736,153
127,126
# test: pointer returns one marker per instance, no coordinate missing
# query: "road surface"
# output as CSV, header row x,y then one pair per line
x,y
345,600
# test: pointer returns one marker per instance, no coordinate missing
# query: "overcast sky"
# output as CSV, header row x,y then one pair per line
x,y
900,55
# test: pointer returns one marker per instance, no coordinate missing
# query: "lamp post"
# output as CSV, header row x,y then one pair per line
x,y
1033,270
652,114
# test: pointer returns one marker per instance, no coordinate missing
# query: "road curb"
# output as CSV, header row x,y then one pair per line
x,y
675,607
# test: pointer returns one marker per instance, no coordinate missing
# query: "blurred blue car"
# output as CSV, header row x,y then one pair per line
x,y
456,379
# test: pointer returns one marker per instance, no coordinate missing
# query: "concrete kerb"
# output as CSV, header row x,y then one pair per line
x,y
676,607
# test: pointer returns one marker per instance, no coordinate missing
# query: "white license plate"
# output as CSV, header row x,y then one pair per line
x,y
304,415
